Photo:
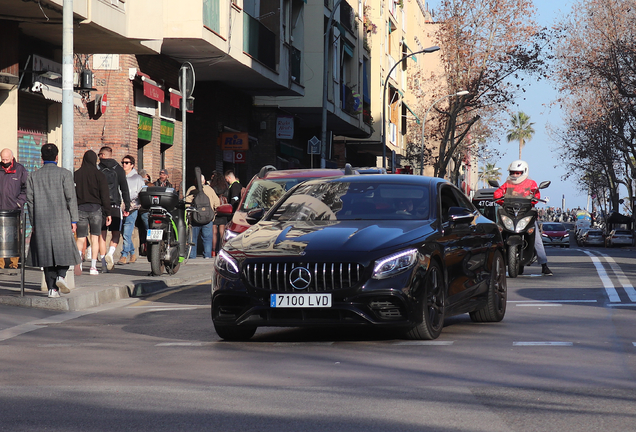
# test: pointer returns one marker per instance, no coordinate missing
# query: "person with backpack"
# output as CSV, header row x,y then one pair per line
x,y
218,183
205,229
118,191
135,185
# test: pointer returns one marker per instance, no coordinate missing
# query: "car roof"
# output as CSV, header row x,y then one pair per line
x,y
391,179
303,173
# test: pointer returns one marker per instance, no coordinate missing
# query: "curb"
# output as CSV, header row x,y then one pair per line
x,y
88,299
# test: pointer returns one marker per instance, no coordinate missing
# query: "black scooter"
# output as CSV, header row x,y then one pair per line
x,y
166,236
516,219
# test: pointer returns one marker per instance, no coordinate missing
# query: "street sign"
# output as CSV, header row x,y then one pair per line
x,y
313,146
187,89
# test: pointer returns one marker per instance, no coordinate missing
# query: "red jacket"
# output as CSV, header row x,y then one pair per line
x,y
523,189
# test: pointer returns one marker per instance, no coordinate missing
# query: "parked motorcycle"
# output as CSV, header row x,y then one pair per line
x,y
516,220
166,236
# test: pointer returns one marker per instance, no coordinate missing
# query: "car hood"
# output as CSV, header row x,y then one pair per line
x,y
337,237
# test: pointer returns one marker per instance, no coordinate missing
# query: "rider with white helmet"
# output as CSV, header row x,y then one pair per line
x,y
518,184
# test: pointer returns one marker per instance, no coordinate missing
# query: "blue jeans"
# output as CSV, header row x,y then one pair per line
x,y
129,226
206,234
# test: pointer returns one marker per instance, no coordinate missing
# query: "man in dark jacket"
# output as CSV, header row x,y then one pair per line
x,y
13,178
118,190
235,189
53,214
93,202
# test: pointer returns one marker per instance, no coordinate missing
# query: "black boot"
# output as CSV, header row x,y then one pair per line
x,y
545,270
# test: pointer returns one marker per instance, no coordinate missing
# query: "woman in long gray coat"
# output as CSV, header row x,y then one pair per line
x,y
53,213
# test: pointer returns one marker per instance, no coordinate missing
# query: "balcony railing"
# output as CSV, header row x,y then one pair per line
x,y
347,17
259,41
295,66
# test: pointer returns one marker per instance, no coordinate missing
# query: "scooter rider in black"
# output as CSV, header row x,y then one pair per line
x,y
519,182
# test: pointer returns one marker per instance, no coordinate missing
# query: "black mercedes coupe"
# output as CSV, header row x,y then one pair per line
x,y
397,251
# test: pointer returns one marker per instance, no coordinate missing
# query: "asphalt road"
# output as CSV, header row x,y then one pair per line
x,y
563,359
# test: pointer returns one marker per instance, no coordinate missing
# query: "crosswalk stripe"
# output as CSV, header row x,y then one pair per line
x,y
542,343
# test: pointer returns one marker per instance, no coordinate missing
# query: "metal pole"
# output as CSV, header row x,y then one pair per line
x,y
22,247
67,85
386,81
184,114
325,71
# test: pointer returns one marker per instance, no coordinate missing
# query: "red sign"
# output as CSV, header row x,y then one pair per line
x,y
104,104
239,157
153,92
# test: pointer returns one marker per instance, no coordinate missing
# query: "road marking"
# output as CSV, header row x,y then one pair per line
x,y
433,343
542,343
540,304
181,344
162,309
607,283
553,301
622,305
627,286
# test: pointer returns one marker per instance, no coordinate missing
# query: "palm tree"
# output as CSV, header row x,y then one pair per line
x,y
521,129
489,172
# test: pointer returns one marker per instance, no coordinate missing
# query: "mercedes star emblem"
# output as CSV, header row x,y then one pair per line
x,y
300,278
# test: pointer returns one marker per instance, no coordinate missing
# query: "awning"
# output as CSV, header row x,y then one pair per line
x,y
152,90
55,94
397,90
409,49
417,119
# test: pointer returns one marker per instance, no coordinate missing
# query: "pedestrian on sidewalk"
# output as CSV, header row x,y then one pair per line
x,y
118,191
93,203
13,179
204,230
135,185
235,189
53,213
219,185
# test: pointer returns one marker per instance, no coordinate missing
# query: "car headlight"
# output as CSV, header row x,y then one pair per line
x,y
523,223
394,264
567,235
227,265
507,222
543,235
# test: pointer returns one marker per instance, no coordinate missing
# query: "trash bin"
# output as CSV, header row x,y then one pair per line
x,y
9,233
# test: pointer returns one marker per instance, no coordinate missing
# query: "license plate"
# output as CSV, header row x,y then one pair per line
x,y
154,234
300,300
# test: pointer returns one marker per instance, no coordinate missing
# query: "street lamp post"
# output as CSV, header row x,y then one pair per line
x,y
459,93
386,81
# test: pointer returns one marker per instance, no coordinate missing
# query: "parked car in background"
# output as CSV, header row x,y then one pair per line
x,y
593,237
388,251
555,234
570,226
268,186
619,237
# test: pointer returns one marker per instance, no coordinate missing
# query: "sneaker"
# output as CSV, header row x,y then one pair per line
x,y
94,271
545,270
110,263
133,258
123,260
87,255
62,285
77,270
53,293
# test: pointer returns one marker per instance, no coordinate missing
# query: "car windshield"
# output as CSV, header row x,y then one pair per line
x,y
553,227
344,200
264,193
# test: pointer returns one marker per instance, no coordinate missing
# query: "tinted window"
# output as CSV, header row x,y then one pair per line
x,y
264,193
342,200
553,227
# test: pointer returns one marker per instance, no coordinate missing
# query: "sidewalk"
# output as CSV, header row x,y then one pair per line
x,y
124,281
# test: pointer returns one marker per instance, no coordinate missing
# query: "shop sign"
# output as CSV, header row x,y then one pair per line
x,y
285,127
144,128
235,141
167,132
239,157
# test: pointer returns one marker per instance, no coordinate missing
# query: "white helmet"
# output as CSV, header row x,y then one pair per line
x,y
517,166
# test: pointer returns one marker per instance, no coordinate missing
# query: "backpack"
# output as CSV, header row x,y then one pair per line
x,y
113,184
204,213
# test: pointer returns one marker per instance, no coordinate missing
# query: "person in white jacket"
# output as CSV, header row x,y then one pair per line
x,y
135,184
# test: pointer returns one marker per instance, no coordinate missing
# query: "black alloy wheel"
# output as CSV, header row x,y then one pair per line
x,y
495,308
432,304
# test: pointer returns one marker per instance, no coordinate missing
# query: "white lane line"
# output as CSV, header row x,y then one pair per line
x,y
634,343
539,305
622,305
433,343
553,301
627,286
542,343
162,309
182,344
607,283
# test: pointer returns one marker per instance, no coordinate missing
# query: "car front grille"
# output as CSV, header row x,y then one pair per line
x,y
324,276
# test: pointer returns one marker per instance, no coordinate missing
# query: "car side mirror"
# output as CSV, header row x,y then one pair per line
x,y
224,210
493,183
460,215
255,215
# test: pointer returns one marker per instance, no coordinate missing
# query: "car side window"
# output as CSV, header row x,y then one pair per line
x,y
447,200
463,200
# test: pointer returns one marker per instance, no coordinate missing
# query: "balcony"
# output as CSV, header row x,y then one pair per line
x,y
347,17
295,64
259,42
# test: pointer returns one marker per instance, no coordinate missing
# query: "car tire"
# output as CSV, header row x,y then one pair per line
x,y
234,333
495,308
432,306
